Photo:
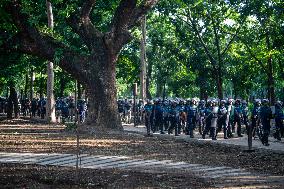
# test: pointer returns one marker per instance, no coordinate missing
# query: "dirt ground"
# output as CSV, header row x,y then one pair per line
x,y
24,136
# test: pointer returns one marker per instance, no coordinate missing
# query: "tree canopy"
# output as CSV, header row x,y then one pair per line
x,y
194,48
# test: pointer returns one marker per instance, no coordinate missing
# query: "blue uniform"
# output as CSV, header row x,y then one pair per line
x,y
191,119
158,112
237,119
265,115
148,110
223,120
174,119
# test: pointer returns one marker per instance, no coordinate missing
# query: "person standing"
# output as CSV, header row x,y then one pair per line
x,y
265,116
158,112
238,117
191,117
223,119
255,116
279,117
148,112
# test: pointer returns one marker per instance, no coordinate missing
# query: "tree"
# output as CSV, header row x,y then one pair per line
x,y
50,104
95,67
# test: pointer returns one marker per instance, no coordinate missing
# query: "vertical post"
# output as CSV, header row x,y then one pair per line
x,y
164,92
32,83
134,102
143,61
50,108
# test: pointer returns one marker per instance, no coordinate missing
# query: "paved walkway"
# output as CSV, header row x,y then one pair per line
x,y
276,146
222,177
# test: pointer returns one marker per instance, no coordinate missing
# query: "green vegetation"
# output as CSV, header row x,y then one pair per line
x,y
194,48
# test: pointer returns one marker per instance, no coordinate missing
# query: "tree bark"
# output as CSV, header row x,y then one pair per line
x,y
94,69
101,91
143,61
50,102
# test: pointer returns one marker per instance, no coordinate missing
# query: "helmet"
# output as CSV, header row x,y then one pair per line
x,y
223,102
265,101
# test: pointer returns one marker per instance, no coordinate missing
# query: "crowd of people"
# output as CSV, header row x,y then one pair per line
x,y
177,116
208,117
65,108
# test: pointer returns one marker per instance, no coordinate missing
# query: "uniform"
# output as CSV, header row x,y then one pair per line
x,y
148,112
191,118
158,114
279,117
223,119
238,118
265,114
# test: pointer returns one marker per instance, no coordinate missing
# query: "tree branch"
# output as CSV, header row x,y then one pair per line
x,y
254,57
127,15
87,8
29,40
140,11
193,25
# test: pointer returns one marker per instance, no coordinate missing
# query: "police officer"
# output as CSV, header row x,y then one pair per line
x,y
182,116
158,113
223,119
208,117
82,108
238,117
279,117
255,116
166,111
148,112
231,109
191,117
265,116
214,118
174,118
201,116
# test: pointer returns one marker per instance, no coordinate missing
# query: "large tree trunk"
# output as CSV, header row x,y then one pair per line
x,y
50,102
101,91
95,71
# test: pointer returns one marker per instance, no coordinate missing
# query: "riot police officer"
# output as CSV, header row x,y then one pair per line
x,y
174,118
255,116
191,117
223,119
208,118
238,117
201,116
279,117
265,116
214,118
148,112
158,115
231,110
